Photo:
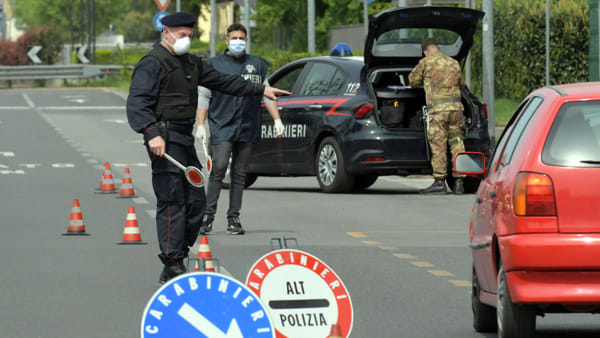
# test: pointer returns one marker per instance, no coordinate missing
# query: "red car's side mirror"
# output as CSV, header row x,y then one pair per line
x,y
470,163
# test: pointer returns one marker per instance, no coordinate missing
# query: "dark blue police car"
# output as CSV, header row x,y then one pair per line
x,y
351,119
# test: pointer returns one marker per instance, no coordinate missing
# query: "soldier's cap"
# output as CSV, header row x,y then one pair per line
x,y
428,42
179,19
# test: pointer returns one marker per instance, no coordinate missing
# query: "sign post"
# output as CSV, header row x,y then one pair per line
x,y
205,304
303,294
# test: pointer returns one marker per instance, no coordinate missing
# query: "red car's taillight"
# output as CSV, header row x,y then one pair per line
x,y
534,195
361,110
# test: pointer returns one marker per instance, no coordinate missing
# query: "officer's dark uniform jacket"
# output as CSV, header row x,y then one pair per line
x,y
158,92
164,87
231,118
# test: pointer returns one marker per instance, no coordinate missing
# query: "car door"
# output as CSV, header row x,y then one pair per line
x,y
493,197
267,153
318,94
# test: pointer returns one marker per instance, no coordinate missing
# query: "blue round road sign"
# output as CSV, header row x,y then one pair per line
x,y
205,304
157,19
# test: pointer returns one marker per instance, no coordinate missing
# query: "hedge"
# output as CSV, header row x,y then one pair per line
x,y
520,45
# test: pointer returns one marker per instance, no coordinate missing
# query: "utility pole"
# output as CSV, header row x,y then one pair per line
x,y
366,16
402,3
213,28
487,40
178,6
468,4
311,26
547,42
247,24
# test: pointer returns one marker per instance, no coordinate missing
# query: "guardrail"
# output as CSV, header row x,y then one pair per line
x,y
45,72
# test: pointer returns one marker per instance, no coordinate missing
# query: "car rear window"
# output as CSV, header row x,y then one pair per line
x,y
406,42
573,138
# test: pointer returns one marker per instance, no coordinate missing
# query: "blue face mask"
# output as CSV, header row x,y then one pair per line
x,y
237,47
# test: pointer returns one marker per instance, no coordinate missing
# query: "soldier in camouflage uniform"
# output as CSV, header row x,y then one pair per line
x,y
442,79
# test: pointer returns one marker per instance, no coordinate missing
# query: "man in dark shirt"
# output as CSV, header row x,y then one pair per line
x,y
162,106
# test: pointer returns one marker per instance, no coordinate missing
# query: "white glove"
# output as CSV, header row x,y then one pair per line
x,y
200,133
278,128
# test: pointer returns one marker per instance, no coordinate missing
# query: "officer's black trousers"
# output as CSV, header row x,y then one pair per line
x,y
179,205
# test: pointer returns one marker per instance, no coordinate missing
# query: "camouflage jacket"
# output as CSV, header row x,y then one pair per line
x,y
442,78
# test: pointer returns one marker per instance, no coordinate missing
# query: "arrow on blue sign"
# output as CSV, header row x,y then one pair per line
x,y
157,19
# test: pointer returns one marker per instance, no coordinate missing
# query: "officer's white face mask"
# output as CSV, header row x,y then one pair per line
x,y
181,46
237,46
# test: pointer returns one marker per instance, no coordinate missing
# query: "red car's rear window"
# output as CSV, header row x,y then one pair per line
x,y
574,137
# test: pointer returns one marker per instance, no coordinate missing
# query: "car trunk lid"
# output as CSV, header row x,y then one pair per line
x,y
395,35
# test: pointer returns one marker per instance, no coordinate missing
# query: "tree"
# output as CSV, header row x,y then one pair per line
x,y
36,13
283,23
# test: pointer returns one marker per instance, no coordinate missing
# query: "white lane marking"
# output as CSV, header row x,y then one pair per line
x,y
205,326
82,108
8,172
15,108
28,100
140,200
118,121
151,213
7,154
139,164
63,165
30,165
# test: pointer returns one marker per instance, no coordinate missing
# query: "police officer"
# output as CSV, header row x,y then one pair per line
x,y
443,79
234,124
162,106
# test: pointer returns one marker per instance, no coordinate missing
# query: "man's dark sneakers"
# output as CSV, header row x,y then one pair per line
x,y
437,188
458,186
234,227
207,222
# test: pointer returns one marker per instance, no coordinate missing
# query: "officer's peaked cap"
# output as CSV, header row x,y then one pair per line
x,y
428,42
179,19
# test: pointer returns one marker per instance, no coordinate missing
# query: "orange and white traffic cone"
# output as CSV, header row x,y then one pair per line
x,y
76,226
127,186
336,331
131,233
205,255
107,184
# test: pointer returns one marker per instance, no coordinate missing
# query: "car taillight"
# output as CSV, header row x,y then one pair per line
x,y
361,110
484,110
534,195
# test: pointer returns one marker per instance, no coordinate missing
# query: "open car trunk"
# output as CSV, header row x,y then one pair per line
x,y
399,106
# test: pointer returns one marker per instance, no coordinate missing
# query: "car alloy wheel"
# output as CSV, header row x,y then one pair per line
x,y
514,320
327,164
329,168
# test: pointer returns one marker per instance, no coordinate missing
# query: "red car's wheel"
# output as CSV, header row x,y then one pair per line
x,y
514,320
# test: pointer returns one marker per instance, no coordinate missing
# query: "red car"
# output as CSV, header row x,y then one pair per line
x,y
535,226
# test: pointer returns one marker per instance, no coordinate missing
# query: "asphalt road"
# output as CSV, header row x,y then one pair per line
x,y
403,257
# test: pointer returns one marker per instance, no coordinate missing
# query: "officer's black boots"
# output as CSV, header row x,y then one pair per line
x,y
171,271
458,186
207,222
437,188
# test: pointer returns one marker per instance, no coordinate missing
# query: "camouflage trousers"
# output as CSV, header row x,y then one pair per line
x,y
445,129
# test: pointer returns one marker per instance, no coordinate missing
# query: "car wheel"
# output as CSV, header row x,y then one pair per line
x,y
330,169
484,316
514,320
364,181
470,184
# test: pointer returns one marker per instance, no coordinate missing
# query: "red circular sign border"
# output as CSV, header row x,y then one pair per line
x,y
274,259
